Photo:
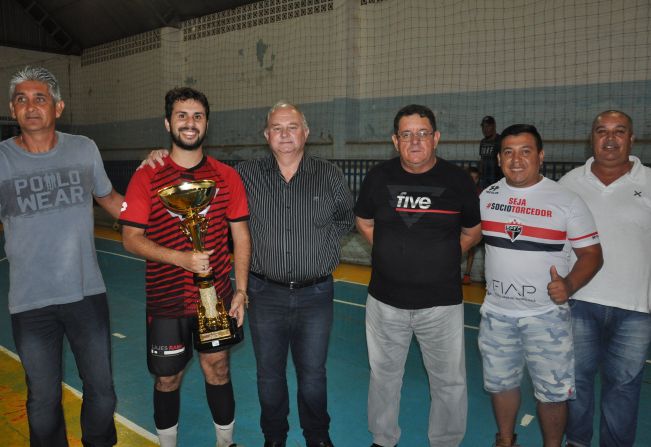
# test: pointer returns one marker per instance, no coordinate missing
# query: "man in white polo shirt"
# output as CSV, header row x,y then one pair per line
x,y
610,315
530,226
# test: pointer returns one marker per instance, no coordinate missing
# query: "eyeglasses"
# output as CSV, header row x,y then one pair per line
x,y
420,135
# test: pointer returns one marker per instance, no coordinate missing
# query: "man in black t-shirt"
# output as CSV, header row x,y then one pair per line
x,y
488,166
420,213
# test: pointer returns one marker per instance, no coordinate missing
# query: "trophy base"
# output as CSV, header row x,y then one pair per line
x,y
221,338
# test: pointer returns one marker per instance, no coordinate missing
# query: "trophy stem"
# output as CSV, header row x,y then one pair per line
x,y
208,297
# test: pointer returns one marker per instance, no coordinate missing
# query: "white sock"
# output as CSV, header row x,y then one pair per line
x,y
167,436
224,434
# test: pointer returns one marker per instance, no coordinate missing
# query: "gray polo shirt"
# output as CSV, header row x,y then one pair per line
x,y
46,208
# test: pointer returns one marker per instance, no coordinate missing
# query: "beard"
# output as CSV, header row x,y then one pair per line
x,y
176,139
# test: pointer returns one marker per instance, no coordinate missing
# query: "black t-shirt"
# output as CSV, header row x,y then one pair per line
x,y
417,224
490,170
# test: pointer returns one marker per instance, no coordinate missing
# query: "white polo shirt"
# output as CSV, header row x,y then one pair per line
x,y
622,212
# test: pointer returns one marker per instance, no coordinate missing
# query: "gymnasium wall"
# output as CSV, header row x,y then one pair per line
x,y
351,64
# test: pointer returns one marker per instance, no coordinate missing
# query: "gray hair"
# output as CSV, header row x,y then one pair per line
x,y
38,74
282,104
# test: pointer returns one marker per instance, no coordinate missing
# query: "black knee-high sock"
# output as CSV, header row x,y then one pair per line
x,y
167,405
221,402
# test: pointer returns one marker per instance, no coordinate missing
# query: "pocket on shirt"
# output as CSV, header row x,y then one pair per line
x,y
322,210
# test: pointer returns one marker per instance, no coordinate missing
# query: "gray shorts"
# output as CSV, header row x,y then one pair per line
x,y
543,342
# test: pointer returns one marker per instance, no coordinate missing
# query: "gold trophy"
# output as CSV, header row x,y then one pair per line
x,y
215,326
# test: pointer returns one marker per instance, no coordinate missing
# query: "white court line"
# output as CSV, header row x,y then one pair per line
x,y
120,255
9,353
364,306
467,326
348,303
118,417
3,259
351,282
107,239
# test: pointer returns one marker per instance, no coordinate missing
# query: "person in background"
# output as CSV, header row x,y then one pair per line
x,y
470,257
488,148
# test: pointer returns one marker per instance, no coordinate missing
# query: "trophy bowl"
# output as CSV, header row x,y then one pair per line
x,y
188,198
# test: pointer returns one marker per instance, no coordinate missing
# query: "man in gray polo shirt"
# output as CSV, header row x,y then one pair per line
x,y
48,180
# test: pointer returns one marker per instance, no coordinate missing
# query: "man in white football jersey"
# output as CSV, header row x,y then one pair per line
x,y
530,226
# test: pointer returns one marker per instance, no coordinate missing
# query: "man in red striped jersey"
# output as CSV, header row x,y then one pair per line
x,y
530,226
151,231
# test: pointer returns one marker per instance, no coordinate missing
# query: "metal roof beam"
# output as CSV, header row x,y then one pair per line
x,y
50,26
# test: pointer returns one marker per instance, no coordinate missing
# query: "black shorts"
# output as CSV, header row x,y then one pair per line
x,y
170,342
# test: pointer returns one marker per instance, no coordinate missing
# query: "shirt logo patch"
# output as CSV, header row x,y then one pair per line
x,y
413,202
513,230
46,191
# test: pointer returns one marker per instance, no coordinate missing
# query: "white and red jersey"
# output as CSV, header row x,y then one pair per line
x,y
526,231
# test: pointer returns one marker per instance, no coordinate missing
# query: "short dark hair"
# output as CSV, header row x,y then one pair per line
x,y
517,129
414,109
183,94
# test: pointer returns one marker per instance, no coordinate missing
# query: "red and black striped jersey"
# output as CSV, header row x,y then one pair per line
x,y
171,290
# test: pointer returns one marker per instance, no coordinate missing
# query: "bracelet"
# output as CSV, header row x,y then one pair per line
x,y
246,296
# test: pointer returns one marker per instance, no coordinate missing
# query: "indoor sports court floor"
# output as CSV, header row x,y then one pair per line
x,y
347,373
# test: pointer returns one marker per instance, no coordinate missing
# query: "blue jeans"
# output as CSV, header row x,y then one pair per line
x,y
281,319
38,335
614,342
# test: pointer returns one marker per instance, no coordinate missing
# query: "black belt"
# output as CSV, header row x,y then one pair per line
x,y
293,284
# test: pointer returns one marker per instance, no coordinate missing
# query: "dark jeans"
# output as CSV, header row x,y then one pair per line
x,y
38,335
613,342
281,319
